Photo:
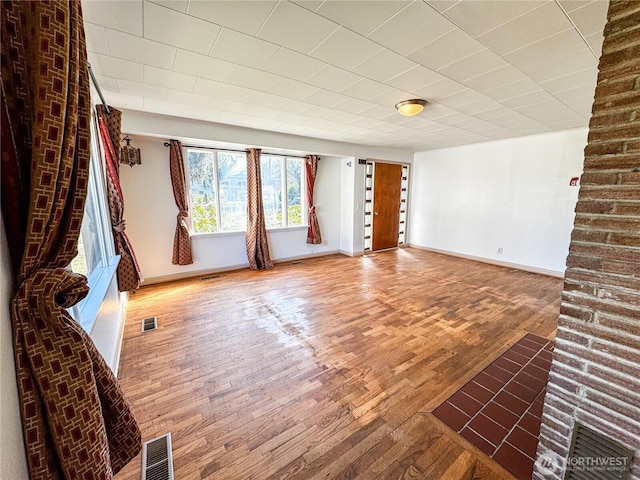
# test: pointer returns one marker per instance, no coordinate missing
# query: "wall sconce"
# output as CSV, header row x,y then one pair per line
x,y
129,154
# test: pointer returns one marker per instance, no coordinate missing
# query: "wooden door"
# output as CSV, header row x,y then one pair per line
x,y
387,180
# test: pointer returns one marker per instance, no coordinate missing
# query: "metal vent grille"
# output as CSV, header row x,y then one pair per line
x,y
210,277
596,457
150,323
157,461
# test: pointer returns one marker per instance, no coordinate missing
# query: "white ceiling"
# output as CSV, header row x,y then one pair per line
x,y
334,69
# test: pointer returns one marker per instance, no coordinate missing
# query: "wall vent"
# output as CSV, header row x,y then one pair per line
x,y
594,456
157,460
149,324
210,277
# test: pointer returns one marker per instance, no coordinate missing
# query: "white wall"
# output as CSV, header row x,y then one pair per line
x,y
512,194
13,463
150,209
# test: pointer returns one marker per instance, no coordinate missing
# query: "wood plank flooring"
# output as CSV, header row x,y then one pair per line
x,y
326,368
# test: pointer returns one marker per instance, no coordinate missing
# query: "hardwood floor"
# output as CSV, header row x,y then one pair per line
x,y
326,368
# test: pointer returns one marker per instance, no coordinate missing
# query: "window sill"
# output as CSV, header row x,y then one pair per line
x,y
242,232
86,311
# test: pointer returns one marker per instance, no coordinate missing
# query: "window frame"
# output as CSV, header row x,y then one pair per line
x,y
216,179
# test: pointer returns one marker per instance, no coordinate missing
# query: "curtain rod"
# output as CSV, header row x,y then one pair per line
x,y
167,144
95,84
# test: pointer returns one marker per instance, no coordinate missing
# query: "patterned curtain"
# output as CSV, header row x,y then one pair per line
x,y
313,232
76,420
181,240
257,246
129,275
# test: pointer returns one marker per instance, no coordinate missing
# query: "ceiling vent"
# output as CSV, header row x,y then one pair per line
x,y
594,456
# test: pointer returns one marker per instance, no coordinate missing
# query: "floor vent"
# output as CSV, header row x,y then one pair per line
x,y
157,461
149,324
211,277
296,262
593,455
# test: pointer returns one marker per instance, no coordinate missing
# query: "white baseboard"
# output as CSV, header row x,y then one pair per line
x,y
124,300
517,266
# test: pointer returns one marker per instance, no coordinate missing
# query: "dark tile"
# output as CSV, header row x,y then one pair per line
x,y
512,403
516,357
542,363
522,350
532,337
451,416
500,415
529,344
488,429
530,423
478,441
523,393
478,392
515,461
508,365
546,355
465,403
536,408
487,381
523,441
530,382
536,372
498,373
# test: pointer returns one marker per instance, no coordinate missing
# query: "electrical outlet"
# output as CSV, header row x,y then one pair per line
x,y
500,251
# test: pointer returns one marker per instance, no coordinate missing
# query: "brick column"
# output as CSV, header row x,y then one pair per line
x,y
595,375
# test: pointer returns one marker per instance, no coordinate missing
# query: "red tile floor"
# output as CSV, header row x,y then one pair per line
x,y
500,409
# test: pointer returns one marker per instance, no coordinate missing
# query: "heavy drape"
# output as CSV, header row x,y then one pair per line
x,y
129,274
76,421
181,240
311,168
257,246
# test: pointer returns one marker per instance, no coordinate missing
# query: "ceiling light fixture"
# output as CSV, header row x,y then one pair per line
x,y
412,107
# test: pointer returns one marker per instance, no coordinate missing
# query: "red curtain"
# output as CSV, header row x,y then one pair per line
x,y
257,245
76,420
313,232
181,240
129,275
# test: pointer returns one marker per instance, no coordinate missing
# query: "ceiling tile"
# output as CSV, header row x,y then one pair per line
x,y
245,16
186,98
333,78
391,97
352,15
591,18
442,5
451,47
532,98
354,105
288,63
107,83
157,18
595,42
236,47
560,66
286,87
414,79
440,89
384,65
96,39
542,22
333,50
325,98
201,65
296,28
494,78
366,89
212,88
405,32
513,89
252,78
116,67
122,15
308,4
563,43
480,16
378,112
571,5
122,100
163,107
461,98
579,99
168,79
474,65
141,89
177,5
479,106
571,81
136,49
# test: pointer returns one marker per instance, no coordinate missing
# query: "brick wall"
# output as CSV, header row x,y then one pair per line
x,y
595,375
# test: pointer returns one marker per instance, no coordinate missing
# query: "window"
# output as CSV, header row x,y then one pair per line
x,y
218,190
